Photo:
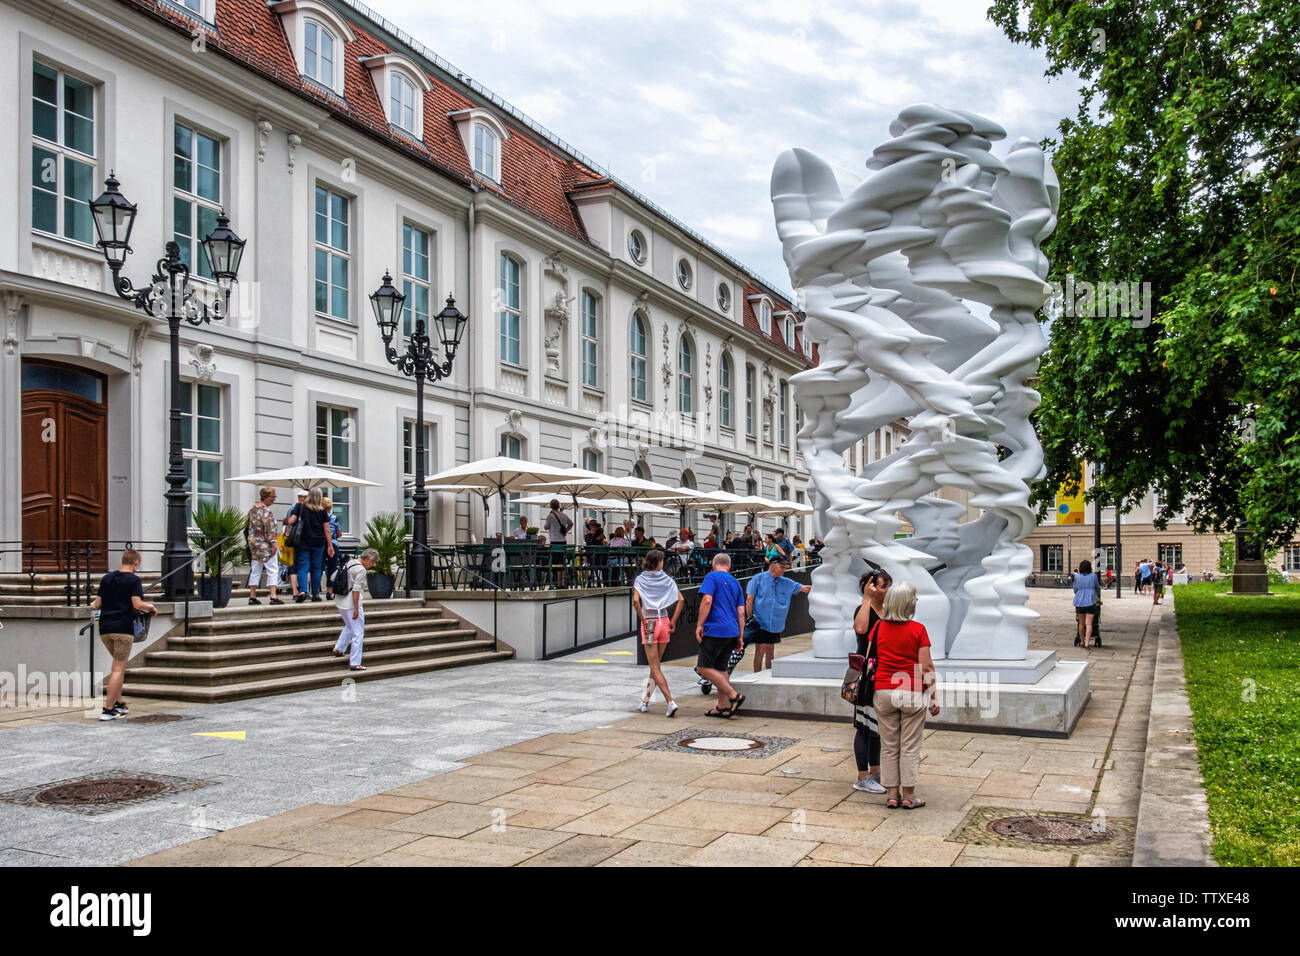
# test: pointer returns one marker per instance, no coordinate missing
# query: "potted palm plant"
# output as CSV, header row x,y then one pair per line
x,y
219,536
386,533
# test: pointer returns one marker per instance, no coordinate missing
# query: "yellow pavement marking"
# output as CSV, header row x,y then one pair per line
x,y
594,660
612,653
227,734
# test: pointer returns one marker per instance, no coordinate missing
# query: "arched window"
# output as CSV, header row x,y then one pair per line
x,y
401,103
638,357
509,316
724,391
789,333
685,376
640,470
318,53
487,153
765,317
590,340
784,412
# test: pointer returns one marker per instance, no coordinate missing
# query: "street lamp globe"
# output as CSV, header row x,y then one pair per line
x,y
388,304
451,326
224,250
114,216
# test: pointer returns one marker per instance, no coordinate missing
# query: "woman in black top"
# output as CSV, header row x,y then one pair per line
x,y
866,740
309,553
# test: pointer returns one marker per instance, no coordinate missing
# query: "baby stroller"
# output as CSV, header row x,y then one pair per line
x,y
736,657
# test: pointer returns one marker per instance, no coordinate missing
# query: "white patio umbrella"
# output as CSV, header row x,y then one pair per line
x,y
483,491
603,505
627,489
786,508
684,498
500,473
306,477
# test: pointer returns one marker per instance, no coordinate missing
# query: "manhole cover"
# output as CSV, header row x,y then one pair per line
x,y
155,718
721,744
116,790
1054,831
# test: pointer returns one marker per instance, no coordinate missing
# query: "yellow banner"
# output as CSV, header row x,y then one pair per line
x,y
1069,507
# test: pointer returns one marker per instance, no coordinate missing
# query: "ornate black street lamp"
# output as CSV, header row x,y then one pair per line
x,y
419,362
169,295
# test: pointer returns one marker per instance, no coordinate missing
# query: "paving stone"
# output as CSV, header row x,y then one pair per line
x,y
738,849
842,855
1009,783
580,850
703,815
459,789
651,796
266,832
368,818
920,850
211,852
450,819
646,853
510,835
608,820
393,804
467,852
684,836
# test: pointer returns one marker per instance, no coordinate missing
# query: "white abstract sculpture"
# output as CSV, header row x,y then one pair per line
x,y
920,287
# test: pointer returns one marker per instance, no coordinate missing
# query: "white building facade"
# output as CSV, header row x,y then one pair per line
x,y
602,333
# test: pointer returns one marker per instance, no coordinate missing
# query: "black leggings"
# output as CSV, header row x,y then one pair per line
x,y
866,749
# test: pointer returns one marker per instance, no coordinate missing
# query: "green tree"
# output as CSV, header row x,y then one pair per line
x,y
1179,169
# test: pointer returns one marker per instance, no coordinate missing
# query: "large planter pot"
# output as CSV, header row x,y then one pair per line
x,y
216,590
381,585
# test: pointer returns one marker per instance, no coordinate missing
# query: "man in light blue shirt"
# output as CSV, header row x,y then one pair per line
x,y
767,601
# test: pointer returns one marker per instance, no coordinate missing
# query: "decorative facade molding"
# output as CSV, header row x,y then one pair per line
x,y
201,359
514,422
294,141
12,302
263,132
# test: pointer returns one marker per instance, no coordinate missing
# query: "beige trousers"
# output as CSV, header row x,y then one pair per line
x,y
901,716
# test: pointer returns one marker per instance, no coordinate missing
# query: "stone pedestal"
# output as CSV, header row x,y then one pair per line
x,y
1039,696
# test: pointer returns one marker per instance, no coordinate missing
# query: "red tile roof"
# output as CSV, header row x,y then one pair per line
x,y
534,176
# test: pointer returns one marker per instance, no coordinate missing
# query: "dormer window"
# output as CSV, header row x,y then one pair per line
x,y
318,35
204,9
400,86
763,311
483,136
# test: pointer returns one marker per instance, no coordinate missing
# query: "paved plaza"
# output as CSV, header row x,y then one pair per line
x,y
548,763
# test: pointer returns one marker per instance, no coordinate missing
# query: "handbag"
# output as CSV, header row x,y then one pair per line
x,y
861,672
293,533
140,625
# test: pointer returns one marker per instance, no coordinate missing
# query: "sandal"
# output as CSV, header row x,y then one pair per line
x,y
912,803
736,702
357,668
722,712
891,803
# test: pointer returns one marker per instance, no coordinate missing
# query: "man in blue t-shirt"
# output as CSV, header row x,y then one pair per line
x,y
782,542
768,602
722,621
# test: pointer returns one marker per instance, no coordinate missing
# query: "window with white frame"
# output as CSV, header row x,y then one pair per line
x,y
684,274
318,53
416,244
63,154
724,297
334,437
1291,557
1052,558
798,419
512,447
408,464
333,254
751,386
765,317
204,9
401,103
638,353
789,333
201,441
636,246
1171,555
590,339
196,197
685,376
784,399
724,391
509,315
487,153
591,461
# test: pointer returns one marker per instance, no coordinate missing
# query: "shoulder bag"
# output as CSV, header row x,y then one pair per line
x,y
293,532
861,673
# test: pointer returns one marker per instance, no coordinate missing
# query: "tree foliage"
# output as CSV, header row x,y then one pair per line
x,y
1181,168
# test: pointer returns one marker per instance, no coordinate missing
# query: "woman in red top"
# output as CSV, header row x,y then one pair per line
x,y
904,686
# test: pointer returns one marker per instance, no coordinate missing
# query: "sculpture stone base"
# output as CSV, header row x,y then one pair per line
x,y
1048,707
1034,668
1250,577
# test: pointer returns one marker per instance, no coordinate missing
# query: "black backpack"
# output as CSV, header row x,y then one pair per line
x,y
339,582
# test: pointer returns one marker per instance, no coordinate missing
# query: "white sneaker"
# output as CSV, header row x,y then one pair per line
x,y
672,708
644,706
869,785
111,715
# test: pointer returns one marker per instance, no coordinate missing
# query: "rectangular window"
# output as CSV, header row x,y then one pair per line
x,y
724,393
511,447
63,154
1053,558
333,255
1171,555
335,433
318,54
591,461
415,277
749,400
402,104
1291,557
408,464
638,358
509,316
485,151
784,415
201,441
590,342
196,181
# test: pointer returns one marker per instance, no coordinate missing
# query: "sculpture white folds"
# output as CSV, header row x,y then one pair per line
x,y
920,287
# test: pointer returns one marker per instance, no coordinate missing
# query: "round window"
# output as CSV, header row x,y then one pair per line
x,y
724,297
683,273
636,245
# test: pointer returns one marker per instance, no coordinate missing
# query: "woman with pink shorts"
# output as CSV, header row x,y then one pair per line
x,y
658,603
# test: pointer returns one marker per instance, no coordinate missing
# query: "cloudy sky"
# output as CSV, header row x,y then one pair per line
x,y
691,101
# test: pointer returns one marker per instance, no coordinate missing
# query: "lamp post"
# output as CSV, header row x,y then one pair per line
x,y
169,296
419,362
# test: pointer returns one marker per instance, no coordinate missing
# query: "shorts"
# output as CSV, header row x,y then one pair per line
x,y
715,652
761,636
648,631
272,567
1090,609
119,645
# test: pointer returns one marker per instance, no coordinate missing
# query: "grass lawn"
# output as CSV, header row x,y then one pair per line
x,y
1242,659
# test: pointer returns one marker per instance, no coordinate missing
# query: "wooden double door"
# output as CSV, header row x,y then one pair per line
x,y
64,461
